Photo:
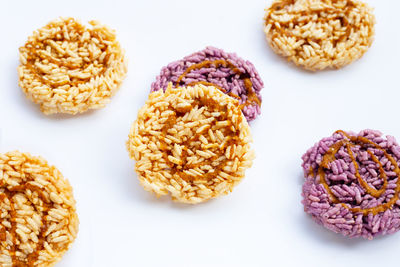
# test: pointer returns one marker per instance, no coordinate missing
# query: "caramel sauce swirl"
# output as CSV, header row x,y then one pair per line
x,y
348,143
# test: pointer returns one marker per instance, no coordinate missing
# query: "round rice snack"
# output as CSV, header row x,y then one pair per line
x,y
319,34
225,71
69,68
192,142
38,216
352,183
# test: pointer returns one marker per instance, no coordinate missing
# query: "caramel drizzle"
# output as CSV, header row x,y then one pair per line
x,y
9,194
252,97
281,30
364,143
179,170
34,48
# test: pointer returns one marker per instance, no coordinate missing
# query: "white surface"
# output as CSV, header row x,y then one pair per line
x,y
262,222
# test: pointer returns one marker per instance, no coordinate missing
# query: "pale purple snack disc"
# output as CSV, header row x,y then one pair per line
x,y
352,183
231,81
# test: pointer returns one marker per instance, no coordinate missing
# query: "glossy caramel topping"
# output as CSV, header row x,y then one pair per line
x,y
349,142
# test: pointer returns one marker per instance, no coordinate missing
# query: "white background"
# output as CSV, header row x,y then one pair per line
x,y
262,222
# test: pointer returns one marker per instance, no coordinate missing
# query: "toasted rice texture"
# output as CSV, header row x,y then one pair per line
x,y
319,34
69,68
191,142
38,214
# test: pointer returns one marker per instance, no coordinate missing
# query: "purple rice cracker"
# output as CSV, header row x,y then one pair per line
x,y
352,183
230,81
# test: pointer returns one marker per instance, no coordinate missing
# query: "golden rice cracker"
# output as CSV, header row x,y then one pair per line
x,y
191,142
38,219
67,67
319,34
